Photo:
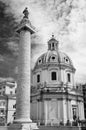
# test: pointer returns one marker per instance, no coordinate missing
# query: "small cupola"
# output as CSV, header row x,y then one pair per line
x,y
53,44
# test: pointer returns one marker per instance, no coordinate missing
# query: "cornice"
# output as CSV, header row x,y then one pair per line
x,y
54,65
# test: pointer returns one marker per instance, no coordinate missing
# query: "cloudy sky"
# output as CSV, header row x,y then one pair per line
x,y
66,19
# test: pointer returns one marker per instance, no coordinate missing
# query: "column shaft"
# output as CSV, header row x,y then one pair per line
x,y
23,89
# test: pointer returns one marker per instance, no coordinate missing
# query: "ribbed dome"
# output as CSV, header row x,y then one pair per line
x,y
53,56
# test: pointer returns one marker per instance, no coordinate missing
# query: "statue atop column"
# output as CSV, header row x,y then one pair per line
x,y
26,13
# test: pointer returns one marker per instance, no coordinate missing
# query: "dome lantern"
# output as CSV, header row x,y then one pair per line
x,y
53,44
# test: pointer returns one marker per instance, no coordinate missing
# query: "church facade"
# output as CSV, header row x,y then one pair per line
x,y
54,96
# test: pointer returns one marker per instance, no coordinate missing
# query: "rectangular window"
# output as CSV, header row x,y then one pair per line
x,y
38,78
53,45
68,77
53,76
74,110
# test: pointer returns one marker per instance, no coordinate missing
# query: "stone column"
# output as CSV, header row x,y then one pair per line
x,y
25,30
23,90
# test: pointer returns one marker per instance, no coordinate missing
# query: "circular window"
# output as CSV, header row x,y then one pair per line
x,y
40,61
53,58
65,59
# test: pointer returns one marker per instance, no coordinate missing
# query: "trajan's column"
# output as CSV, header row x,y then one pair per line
x,y
23,121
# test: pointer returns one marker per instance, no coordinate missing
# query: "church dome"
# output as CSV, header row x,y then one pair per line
x,y
53,57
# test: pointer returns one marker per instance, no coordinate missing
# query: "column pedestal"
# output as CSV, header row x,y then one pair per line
x,y
23,126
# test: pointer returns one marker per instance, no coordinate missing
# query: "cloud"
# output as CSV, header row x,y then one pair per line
x,y
66,19
13,47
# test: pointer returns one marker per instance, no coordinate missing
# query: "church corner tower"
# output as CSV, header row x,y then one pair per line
x,y
54,97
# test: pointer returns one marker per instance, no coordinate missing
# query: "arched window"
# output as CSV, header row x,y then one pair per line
x,y
53,76
38,78
52,46
68,77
